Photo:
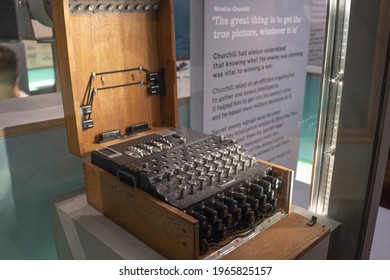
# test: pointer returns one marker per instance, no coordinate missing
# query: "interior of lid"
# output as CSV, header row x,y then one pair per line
x,y
117,73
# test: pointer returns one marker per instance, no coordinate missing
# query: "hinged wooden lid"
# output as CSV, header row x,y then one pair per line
x,y
106,52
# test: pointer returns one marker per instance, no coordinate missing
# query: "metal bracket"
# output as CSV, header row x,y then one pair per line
x,y
86,110
86,124
338,78
313,221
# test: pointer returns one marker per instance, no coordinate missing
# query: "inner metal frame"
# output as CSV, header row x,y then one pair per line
x,y
330,104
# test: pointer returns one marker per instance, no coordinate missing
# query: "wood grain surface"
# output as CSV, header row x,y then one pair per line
x,y
166,229
288,239
97,43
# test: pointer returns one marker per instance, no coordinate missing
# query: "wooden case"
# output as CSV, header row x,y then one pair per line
x,y
100,42
113,41
169,231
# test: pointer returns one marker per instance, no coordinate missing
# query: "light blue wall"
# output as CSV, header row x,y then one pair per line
x,y
35,168
309,119
184,115
7,209
182,28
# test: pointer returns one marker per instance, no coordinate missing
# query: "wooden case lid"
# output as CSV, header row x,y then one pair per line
x,y
104,48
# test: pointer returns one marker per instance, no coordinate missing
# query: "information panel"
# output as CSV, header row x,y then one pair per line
x,y
317,35
255,59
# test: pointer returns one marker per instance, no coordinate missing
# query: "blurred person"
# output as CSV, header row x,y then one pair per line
x,y
9,74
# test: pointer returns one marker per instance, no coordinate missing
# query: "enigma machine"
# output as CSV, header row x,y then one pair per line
x,y
186,194
208,177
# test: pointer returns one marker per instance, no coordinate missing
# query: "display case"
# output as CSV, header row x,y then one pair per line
x,y
186,194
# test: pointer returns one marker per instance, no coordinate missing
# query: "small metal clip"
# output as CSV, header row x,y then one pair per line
x,y
86,109
313,221
86,124
331,151
338,78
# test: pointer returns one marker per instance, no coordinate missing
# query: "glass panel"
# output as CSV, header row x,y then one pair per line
x,y
355,138
223,58
352,110
307,124
308,128
40,67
